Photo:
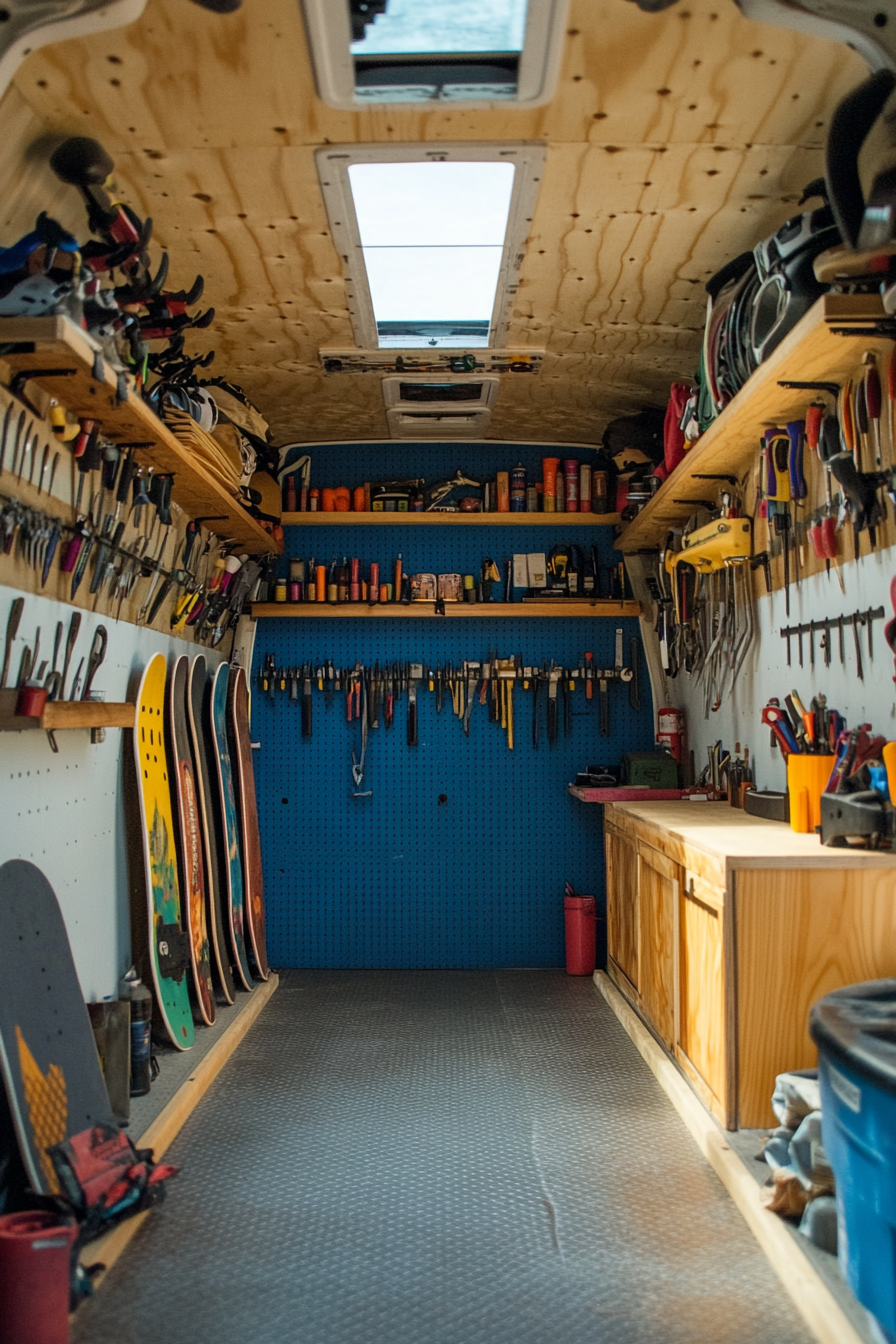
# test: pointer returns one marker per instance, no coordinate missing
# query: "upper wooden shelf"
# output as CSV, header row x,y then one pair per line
x,y
414,610
811,353
450,519
55,343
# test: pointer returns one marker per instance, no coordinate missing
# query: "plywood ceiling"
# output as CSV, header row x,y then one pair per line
x,y
674,142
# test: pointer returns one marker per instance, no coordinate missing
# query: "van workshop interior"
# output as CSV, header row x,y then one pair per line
x,y
447,708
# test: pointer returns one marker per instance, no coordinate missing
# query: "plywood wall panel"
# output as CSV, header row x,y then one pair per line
x,y
675,141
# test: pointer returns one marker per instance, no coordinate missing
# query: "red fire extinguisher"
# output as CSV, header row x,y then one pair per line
x,y
580,918
671,732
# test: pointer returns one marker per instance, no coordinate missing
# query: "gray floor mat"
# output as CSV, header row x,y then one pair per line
x,y
425,1157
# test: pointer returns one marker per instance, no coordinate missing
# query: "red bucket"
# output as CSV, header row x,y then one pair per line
x,y
35,1255
581,934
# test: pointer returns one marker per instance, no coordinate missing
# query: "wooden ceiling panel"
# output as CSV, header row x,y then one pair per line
x,y
675,141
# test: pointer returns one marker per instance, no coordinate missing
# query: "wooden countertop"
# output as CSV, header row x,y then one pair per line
x,y
739,840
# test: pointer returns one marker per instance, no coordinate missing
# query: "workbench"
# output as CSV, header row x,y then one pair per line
x,y
723,930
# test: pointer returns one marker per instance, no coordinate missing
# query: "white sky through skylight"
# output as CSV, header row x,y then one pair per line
x,y
429,26
433,237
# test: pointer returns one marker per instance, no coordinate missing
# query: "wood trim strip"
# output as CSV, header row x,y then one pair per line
x,y
168,1124
811,1296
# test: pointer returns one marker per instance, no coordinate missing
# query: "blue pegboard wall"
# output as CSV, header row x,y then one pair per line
x,y
401,879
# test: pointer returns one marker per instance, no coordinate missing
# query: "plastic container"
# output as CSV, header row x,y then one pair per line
x,y
806,780
35,1271
855,1031
580,914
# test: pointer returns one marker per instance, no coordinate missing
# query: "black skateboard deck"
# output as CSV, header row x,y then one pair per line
x,y
50,1067
198,695
168,943
247,805
233,867
186,815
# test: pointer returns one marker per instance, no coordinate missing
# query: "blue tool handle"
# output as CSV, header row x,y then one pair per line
x,y
796,432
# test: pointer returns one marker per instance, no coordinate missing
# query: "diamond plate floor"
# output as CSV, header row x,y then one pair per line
x,y
402,1157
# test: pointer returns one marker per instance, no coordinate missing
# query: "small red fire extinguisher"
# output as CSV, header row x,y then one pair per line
x,y
671,732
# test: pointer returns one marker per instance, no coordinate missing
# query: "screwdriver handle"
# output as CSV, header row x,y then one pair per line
x,y
125,477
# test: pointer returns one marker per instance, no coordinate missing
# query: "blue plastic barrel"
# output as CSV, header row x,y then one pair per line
x,y
855,1031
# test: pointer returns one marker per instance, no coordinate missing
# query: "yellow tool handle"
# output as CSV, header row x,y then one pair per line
x,y
510,716
889,755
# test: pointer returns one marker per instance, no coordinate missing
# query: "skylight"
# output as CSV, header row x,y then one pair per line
x,y
416,27
432,236
417,51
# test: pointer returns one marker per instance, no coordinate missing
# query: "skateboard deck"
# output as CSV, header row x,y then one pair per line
x,y
206,792
51,1072
168,944
233,867
247,804
192,867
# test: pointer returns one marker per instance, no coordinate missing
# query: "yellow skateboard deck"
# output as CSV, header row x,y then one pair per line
x,y
169,945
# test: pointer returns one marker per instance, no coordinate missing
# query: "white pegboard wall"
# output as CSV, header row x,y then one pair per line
x,y
65,813
766,673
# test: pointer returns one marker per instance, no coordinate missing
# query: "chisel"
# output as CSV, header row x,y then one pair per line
x,y
71,640
12,629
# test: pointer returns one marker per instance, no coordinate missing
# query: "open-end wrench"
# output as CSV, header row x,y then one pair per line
x,y
94,658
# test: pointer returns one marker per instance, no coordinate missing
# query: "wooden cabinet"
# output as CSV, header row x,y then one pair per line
x,y
622,905
723,930
658,886
700,1045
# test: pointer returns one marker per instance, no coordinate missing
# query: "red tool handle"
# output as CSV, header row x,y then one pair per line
x,y
814,414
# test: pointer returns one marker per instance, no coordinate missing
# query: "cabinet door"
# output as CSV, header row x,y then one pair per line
x,y
622,904
658,887
702,1026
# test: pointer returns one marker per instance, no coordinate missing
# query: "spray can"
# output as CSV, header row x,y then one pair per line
x,y
518,489
585,487
297,580
571,468
132,988
549,467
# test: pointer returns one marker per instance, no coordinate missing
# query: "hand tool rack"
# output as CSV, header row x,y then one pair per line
x,y
811,352
329,519
67,364
364,611
825,627
59,714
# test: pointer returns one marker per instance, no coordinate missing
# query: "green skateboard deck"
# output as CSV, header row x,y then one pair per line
x,y
168,943
206,792
51,1072
186,810
233,868
241,759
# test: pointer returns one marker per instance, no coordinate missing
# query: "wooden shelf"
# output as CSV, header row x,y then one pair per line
x,y
811,353
450,519
56,343
623,793
59,714
453,610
